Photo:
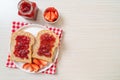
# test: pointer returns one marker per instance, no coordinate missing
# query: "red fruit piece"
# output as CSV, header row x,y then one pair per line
x,y
31,68
36,61
53,16
41,66
47,16
56,14
28,66
43,62
35,67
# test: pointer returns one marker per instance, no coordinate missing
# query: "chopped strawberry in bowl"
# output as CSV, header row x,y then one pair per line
x,y
51,15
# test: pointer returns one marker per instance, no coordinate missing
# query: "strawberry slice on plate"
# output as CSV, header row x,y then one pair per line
x,y
31,68
27,66
43,62
35,67
36,61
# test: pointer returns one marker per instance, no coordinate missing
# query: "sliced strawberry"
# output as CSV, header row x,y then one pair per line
x,y
31,68
53,16
47,16
43,62
36,61
26,66
41,66
56,14
35,67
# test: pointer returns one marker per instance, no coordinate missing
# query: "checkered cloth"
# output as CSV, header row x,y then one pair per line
x,y
17,25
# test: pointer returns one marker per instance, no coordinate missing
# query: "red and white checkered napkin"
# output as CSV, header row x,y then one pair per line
x,y
17,25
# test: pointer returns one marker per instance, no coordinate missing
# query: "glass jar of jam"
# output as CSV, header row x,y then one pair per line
x,y
27,9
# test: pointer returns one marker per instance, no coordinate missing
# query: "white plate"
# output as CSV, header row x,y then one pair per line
x,y
34,29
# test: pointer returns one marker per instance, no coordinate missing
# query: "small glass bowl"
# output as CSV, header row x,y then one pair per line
x,y
51,15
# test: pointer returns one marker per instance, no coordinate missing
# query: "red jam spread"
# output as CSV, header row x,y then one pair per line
x,y
46,44
22,46
27,9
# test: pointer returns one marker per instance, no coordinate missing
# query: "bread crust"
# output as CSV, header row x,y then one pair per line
x,y
13,43
37,45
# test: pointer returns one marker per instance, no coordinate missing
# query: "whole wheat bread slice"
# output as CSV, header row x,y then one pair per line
x,y
37,45
13,43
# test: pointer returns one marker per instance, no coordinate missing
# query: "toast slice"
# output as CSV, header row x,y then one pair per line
x,y
21,46
46,43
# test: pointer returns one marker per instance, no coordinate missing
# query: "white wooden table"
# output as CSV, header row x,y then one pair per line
x,y
91,43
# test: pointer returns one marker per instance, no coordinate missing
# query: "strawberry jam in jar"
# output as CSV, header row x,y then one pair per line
x,y
27,9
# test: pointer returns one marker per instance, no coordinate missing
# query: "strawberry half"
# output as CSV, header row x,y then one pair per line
x,y
35,67
31,68
44,63
53,16
36,61
47,16
26,66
